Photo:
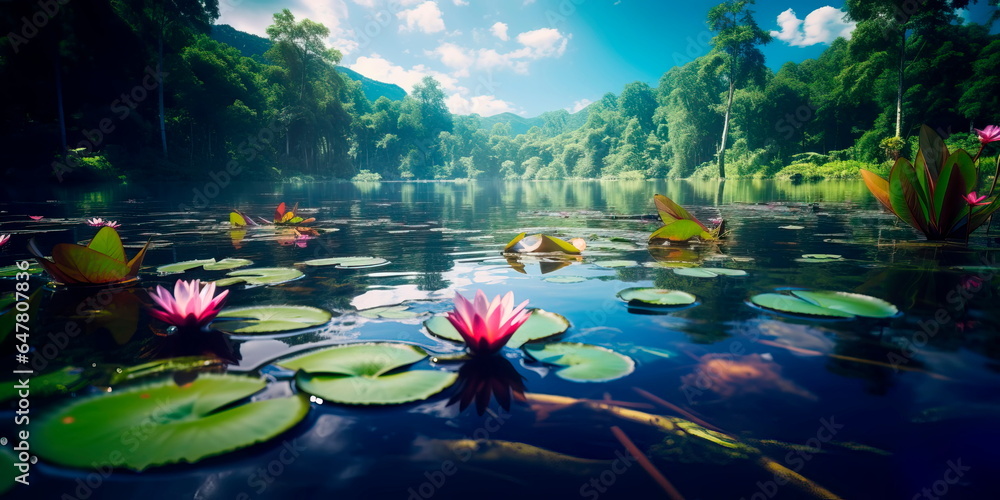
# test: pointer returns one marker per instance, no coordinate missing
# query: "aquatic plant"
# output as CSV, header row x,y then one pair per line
x,y
541,243
4,238
282,216
487,326
679,225
99,222
191,307
101,262
930,192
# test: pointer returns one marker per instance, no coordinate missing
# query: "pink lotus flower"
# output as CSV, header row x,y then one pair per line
x,y
989,134
188,308
4,238
36,217
99,222
487,326
974,200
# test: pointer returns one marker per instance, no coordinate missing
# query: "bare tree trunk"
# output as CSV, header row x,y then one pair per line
x,y
159,96
899,84
725,130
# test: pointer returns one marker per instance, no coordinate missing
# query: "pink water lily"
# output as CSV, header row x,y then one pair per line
x,y
4,238
190,307
989,134
487,326
99,222
974,200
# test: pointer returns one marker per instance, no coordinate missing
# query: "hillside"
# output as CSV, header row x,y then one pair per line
x,y
562,121
254,46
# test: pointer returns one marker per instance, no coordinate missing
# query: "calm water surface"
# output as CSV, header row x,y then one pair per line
x,y
821,398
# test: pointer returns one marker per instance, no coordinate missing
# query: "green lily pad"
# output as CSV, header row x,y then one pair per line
x,y
359,374
261,276
820,257
12,270
850,303
565,279
582,362
658,297
162,423
7,461
348,262
269,319
180,267
389,312
616,263
161,366
826,304
228,263
540,324
708,272
62,381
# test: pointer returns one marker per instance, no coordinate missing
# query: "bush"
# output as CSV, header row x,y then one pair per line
x,y
844,169
367,176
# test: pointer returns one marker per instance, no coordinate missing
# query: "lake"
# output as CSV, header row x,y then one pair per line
x,y
860,407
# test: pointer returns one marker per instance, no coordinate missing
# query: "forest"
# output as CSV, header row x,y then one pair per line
x,y
112,89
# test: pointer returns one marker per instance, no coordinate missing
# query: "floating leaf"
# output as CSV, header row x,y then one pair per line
x,y
101,262
359,374
180,267
826,304
163,423
658,297
681,230
851,303
389,312
583,363
616,263
820,257
267,319
228,263
12,270
708,272
793,227
347,262
565,279
540,324
62,381
261,276
541,243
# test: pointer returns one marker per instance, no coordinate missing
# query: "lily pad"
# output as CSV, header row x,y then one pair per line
x,y
582,362
269,319
347,262
657,297
12,270
228,263
820,257
565,279
826,304
163,423
62,381
792,227
540,324
180,267
261,276
359,374
389,312
616,263
708,272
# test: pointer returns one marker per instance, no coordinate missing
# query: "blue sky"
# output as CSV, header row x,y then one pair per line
x,y
532,56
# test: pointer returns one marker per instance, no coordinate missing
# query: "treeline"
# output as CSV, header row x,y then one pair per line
x,y
139,89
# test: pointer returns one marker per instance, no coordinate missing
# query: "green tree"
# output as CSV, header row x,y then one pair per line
x,y
736,42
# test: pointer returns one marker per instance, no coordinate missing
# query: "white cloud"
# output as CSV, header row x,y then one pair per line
x,y
499,30
545,42
459,100
425,17
579,105
822,25
330,13
366,3
460,2
483,105
537,44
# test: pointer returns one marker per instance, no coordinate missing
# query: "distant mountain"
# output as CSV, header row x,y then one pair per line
x,y
254,46
521,125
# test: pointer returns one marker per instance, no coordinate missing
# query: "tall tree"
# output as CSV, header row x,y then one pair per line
x,y
162,19
736,42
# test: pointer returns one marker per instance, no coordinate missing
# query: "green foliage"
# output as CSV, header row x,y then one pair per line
x,y
367,176
847,169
